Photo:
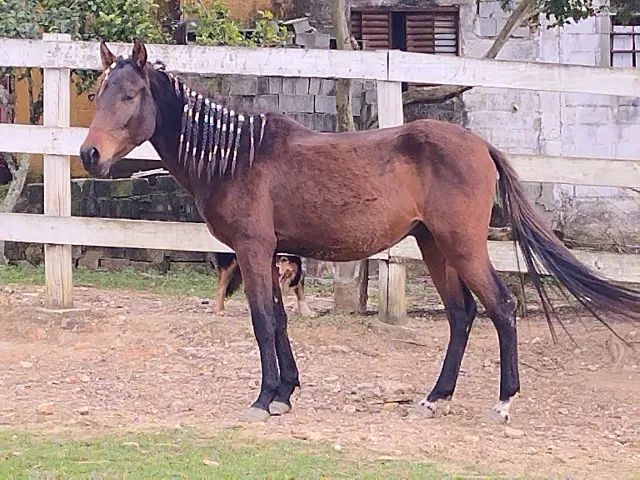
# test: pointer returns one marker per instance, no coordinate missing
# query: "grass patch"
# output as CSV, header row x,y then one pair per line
x,y
182,455
183,283
174,284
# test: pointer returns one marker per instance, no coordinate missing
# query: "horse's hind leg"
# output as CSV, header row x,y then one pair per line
x,y
470,258
461,311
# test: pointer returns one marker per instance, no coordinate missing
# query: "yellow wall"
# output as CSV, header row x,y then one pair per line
x,y
81,114
247,9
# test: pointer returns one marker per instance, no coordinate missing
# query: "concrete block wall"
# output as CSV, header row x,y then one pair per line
x,y
559,123
310,101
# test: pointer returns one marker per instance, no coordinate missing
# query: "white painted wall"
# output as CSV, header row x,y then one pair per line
x,y
559,123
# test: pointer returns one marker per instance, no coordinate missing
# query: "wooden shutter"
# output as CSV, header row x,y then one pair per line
x,y
432,31
420,32
372,28
446,32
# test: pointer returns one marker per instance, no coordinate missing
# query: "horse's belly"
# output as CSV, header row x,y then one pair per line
x,y
344,244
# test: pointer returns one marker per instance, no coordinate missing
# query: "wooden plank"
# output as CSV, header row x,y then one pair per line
x,y
390,109
401,66
424,68
108,232
577,171
57,184
392,277
619,267
287,62
55,141
530,168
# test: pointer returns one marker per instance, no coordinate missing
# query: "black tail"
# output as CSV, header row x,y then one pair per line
x,y
542,250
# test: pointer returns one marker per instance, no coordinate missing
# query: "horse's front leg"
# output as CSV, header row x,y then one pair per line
x,y
288,369
255,259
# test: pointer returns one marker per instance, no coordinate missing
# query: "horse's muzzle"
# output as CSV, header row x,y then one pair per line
x,y
90,157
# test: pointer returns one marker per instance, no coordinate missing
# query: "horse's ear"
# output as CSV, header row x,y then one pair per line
x,y
106,56
139,54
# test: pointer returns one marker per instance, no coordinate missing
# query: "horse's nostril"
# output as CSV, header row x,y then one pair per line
x,y
89,156
95,155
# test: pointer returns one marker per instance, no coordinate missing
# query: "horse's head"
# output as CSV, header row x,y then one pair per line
x,y
125,114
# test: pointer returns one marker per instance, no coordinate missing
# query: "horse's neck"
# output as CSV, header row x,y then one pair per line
x,y
166,137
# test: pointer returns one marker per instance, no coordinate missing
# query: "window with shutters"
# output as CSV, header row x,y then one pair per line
x,y
432,30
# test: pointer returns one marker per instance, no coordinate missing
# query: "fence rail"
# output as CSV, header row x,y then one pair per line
x,y
58,230
530,168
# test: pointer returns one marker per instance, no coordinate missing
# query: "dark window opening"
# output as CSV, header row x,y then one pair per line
x,y
398,31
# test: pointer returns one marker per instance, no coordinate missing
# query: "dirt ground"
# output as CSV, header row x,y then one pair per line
x,y
124,361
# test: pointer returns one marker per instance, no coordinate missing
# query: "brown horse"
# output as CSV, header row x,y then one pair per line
x,y
355,194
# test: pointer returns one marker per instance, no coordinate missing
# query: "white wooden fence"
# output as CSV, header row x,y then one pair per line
x,y
57,54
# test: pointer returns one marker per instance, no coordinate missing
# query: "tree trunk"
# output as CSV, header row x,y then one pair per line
x,y
19,170
350,279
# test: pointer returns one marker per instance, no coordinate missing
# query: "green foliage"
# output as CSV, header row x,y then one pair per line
x,y
179,454
121,20
625,9
16,19
113,20
267,33
188,283
562,12
214,26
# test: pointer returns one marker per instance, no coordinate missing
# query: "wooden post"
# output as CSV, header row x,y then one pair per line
x,y
392,275
392,304
57,183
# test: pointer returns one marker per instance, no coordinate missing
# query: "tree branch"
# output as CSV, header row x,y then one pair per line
x,y
350,279
19,170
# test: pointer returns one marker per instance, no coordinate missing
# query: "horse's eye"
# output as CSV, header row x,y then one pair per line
x,y
129,96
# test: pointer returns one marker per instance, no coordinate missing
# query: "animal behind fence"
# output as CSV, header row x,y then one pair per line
x,y
291,279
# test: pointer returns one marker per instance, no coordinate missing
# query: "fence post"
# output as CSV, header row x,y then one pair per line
x,y
57,183
392,274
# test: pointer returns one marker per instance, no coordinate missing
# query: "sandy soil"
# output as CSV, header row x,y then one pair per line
x,y
124,361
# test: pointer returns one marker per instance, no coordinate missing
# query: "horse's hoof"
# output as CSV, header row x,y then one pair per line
x,y
435,409
254,415
500,412
279,408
